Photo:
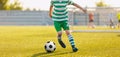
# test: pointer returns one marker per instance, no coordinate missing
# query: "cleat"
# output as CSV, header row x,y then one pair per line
x,y
75,49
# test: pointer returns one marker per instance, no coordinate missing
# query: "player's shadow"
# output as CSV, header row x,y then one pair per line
x,y
44,54
118,35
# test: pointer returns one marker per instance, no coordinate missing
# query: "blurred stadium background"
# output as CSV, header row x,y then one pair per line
x,y
12,12
18,17
76,18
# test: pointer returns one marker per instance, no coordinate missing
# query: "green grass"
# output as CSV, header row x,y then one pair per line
x,y
28,41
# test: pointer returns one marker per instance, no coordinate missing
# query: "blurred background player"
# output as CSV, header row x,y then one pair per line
x,y
91,21
118,17
59,14
110,17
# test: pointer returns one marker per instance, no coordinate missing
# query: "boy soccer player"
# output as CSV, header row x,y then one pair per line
x,y
118,17
110,17
59,14
91,20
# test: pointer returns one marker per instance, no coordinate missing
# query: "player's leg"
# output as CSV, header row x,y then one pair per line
x,y
70,37
92,23
118,23
112,23
71,40
57,26
60,40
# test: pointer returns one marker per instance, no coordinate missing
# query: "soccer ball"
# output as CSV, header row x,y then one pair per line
x,y
50,46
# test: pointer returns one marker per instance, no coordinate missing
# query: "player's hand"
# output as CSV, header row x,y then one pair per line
x,y
50,15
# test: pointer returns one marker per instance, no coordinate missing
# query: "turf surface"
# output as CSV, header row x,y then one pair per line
x,y
28,41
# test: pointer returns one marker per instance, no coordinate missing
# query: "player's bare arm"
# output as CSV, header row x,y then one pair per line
x,y
78,6
50,11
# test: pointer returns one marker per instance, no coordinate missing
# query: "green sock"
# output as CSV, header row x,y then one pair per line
x,y
71,40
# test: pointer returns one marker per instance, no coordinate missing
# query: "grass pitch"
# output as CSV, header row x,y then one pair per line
x,y
28,41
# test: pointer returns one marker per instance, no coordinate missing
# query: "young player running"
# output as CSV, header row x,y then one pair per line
x,y
59,14
91,20
110,17
118,17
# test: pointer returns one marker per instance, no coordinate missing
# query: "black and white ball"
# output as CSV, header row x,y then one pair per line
x,y
50,46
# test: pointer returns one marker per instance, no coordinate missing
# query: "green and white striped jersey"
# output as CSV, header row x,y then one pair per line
x,y
60,12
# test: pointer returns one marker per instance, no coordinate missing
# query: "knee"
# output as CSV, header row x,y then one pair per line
x,y
68,32
59,34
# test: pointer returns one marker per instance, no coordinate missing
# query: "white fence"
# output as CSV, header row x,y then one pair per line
x,y
24,18
42,18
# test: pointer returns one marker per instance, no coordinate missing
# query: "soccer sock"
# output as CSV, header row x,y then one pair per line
x,y
71,40
59,37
